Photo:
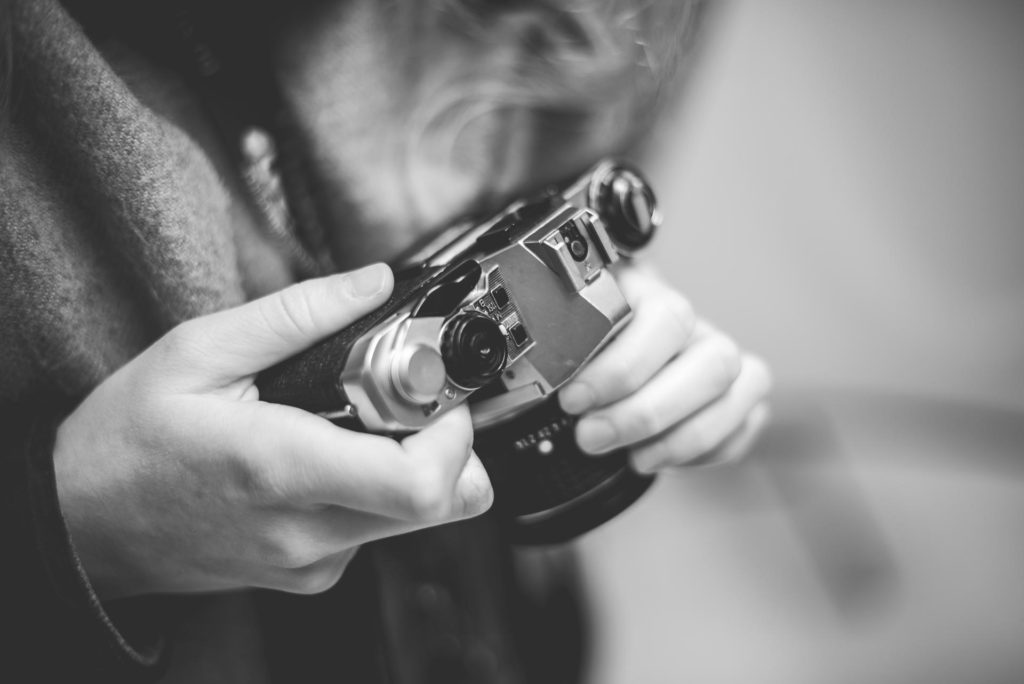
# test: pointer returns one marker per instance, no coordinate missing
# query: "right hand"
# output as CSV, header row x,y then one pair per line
x,y
174,477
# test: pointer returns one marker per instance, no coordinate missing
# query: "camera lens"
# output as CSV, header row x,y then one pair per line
x,y
474,350
628,206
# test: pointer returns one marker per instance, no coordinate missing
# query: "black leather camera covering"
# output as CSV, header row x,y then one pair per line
x,y
310,380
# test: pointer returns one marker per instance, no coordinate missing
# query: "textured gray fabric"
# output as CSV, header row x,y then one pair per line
x,y
112,220
114,226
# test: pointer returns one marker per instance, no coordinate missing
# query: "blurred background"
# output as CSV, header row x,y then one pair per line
x,y
844,193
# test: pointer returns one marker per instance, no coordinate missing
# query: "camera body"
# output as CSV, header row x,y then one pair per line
x,y
501,314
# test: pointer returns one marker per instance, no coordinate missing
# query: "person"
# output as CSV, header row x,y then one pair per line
x,y
151,268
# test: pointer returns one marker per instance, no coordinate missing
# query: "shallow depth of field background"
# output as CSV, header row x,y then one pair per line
x,y
844,193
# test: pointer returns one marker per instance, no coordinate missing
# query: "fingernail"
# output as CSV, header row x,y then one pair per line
x,y
594,434
643,463
368,282
576,398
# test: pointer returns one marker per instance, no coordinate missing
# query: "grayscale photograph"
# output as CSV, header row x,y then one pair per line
x,y
512,342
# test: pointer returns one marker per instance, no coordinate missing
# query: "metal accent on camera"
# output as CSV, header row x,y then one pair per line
x,y
627,204
529,301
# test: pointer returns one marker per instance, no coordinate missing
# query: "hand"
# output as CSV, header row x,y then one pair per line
x,y
671,387
174,477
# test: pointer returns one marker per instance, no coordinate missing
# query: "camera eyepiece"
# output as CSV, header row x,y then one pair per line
x,y
474,350
627,203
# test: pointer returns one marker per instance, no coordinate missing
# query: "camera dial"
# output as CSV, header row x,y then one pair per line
x,y
627,204
418,373
474,350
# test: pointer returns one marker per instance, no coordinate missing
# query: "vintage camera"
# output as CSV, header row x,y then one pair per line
x,y
499,313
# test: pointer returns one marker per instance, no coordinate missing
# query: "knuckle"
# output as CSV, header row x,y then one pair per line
x,y
321,575
296,555
760,416
678,312
620,377
428,496
476,499
729,456
457,443
642,421
290,312
309,581
289,547
762,374
654,456
728,362
257,479
700,441
305,586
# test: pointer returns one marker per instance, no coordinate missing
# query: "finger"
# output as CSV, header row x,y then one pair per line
x,y
238,342
458,487
695,378
314,578
298,458
662,324
303,536
709,428
738,444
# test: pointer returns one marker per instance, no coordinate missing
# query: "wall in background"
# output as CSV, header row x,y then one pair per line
x,y
844,190
845,193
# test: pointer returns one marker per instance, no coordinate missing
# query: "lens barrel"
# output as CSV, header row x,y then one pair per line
x,y
474,350
546,490
629,209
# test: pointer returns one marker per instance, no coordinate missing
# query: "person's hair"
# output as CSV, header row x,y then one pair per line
x,y
572,52
586,72
566,63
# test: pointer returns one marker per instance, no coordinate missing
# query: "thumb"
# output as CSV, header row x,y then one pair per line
x,y
242,341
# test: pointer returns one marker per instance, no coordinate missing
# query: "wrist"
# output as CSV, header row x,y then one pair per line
x,y
50,598
84,510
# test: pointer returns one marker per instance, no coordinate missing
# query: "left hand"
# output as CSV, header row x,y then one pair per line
x,y
670,387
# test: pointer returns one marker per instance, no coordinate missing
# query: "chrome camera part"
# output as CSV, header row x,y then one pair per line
x,y
474,350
